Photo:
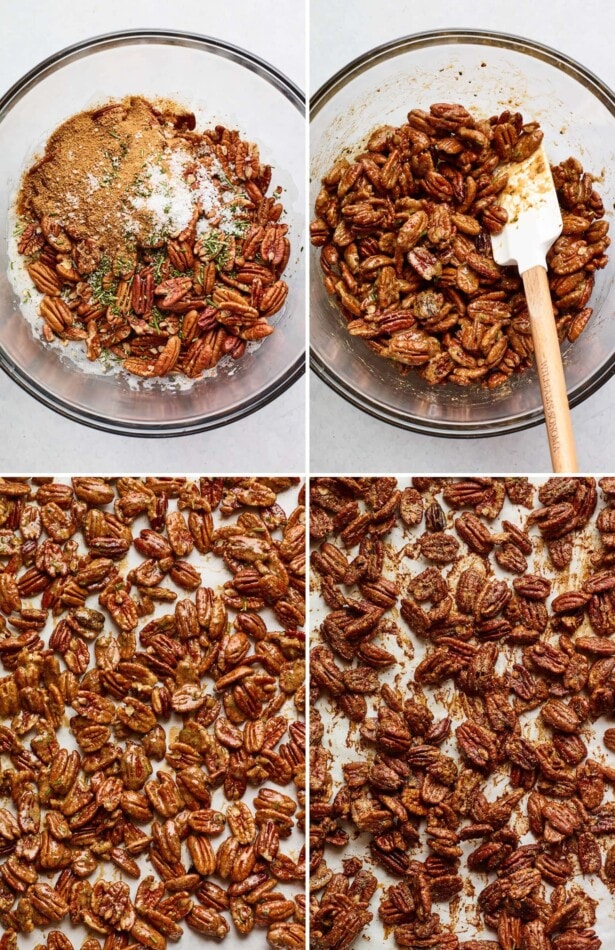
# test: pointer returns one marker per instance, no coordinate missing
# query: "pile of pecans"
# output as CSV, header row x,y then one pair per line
x,y
405,235
465,637
148,717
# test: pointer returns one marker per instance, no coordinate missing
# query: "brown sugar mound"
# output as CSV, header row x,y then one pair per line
x,y
92,164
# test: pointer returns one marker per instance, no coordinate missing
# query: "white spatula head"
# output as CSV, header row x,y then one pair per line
x,y
534,216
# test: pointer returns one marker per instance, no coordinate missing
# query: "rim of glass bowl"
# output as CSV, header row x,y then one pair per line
x,y
173,37
419,41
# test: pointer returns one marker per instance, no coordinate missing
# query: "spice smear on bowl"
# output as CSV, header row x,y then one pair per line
x,y
153,244
405,235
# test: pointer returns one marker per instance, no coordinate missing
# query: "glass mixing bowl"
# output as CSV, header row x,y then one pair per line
x,y
487,73
221,84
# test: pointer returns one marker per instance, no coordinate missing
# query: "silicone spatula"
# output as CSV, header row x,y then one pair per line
x,y
534,223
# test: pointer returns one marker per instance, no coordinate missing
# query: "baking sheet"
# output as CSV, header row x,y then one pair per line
x,y
342,738
213,574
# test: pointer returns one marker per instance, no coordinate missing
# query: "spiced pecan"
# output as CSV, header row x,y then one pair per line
x,y
237,686
404,231
496,652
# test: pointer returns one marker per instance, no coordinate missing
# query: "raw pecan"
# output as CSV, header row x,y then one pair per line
x,y
45,279
143,291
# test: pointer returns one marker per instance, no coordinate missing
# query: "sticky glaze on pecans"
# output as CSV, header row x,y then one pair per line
x,y
405,229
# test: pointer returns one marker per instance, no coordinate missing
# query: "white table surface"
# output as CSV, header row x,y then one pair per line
x,y
348,439
35,439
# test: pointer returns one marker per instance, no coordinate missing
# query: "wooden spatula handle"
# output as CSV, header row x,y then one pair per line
x,y
550,370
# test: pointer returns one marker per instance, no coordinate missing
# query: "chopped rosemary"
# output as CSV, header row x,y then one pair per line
x,y
104,295
158,259
214,244
155,318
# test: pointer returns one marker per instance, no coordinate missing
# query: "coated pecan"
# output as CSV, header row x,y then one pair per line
x,y
511,558
439,547
408,792
475,534
70,810
392,223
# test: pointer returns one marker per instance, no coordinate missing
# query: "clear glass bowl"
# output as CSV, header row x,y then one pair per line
x,y
487,73
221,84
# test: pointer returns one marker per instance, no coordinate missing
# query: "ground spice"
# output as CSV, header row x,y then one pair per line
x,y
122,177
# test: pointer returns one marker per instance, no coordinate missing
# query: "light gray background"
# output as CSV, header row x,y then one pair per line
x,y
344,439
35,439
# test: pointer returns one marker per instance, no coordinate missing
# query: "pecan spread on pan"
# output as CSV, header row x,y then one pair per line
x,y
153,244
152,742
404,230
462,676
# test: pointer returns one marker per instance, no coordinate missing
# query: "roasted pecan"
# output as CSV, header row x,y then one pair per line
x,y
408,785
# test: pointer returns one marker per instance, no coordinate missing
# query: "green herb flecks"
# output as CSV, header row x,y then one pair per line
x,y
107,357
215,246
223,179
157,237
140,187
239,227
158,258
103,284
155,318
115,161
122,267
